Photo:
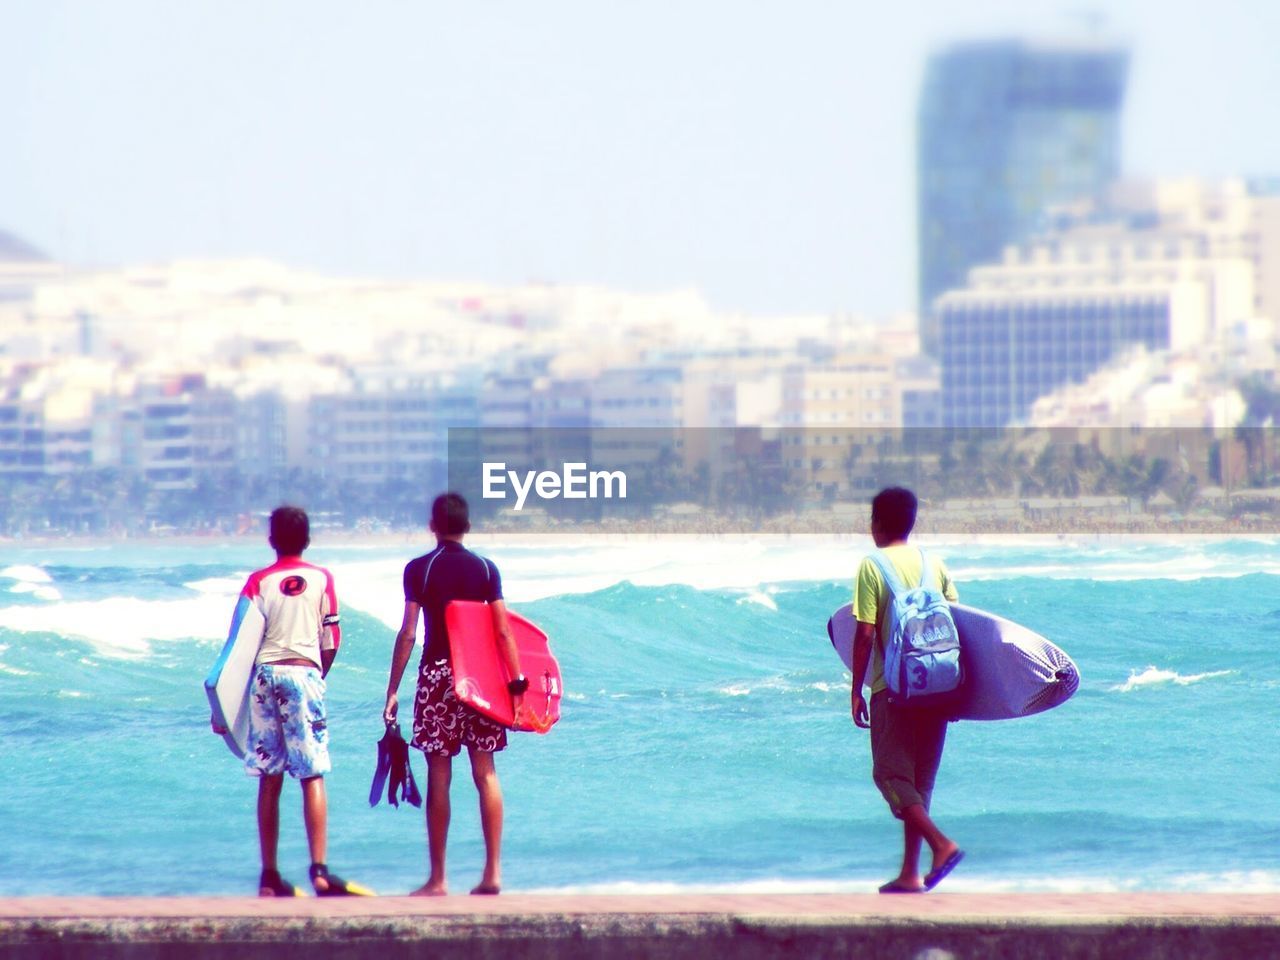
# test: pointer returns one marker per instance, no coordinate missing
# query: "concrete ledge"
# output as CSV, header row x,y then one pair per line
x,y
935,927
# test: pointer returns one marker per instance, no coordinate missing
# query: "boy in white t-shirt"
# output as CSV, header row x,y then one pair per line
x,y
288,725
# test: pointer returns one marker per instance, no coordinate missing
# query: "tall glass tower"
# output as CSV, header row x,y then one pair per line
x,y
1005,128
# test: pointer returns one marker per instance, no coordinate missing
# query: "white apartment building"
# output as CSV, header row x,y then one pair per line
x,y
57,418
391,425
1169,265
1145,390
833,414
560,403
638,397
643,407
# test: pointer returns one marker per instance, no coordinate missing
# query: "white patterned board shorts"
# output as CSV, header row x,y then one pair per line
x,y
288,725
443,724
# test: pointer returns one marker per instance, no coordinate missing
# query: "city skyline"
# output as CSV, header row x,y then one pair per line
x,y
765,160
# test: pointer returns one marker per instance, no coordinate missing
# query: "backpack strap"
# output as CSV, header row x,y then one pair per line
x,y
890,573
926,572
887,571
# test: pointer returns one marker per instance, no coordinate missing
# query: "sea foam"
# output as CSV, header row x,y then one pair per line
x,y
33,580
1154,676
124,627
26,573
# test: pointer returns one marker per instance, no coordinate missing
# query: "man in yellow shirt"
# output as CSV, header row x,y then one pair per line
x,y
906,741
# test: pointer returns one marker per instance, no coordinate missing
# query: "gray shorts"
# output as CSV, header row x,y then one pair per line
x,y
906,750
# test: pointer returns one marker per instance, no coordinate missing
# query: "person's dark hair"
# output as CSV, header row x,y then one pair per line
x,y
450,515
290,530
894,510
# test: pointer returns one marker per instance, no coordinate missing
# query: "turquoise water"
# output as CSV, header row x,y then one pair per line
x,y
705,742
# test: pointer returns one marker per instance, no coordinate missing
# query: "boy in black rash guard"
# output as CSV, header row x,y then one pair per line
x,y
442,723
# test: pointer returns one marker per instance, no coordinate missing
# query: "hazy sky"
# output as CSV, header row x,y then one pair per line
x,y
759,150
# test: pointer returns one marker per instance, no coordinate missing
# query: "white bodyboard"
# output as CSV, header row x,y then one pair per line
x,y
227,685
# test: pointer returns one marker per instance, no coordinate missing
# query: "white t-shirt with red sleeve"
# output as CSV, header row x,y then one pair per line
x,y
300,605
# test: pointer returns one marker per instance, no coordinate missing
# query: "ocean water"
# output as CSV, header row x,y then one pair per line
x,y
705,741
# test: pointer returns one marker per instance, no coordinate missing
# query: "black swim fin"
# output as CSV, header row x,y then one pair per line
x,y
411,792
397,776
402,785
384,766
394,771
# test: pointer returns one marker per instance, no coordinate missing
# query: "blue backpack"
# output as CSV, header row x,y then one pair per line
x,y
921,647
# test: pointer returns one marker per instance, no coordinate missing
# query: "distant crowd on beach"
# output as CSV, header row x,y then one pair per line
x,y
809,525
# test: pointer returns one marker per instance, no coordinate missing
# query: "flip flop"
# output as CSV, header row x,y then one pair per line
x,y
936,877
893,886
335,886
279,887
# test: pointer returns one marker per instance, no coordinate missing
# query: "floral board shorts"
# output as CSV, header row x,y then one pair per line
x,y
288,727
443,724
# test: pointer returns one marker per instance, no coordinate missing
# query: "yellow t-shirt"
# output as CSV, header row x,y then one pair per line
x,y
871,597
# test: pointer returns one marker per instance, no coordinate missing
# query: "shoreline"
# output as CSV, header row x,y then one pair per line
x,y
413,539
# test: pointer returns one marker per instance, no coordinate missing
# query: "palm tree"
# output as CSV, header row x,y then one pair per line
x,y
1262,414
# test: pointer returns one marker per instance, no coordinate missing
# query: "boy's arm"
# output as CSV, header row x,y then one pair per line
x,y
503,635
507,649
863,637
330,627
866,608
331,636
400,654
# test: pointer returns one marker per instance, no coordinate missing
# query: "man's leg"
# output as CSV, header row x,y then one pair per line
x,y
315,814
437,733
916,820
892,772
930,737
439,777
485,775
906,750
909,876
269,787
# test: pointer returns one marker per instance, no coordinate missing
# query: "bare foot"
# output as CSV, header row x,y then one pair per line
x,y
431,889
486,890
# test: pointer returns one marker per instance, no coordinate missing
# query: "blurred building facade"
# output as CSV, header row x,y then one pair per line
x,y
837,415
1005,129
190,393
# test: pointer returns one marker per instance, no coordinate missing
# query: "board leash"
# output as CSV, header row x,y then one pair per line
x,y
544,723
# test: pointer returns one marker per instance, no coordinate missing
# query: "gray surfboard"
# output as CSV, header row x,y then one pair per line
x,y
1009,671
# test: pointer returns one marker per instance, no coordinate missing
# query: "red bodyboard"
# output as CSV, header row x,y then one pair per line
x,y
480,677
